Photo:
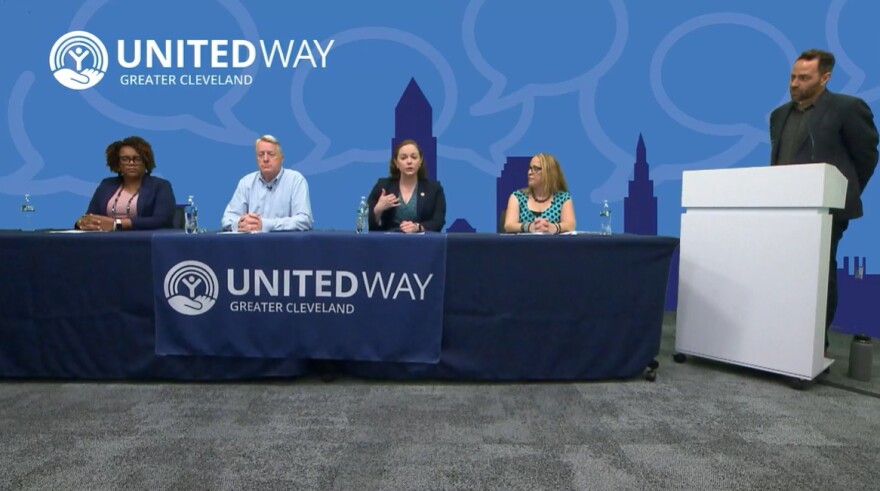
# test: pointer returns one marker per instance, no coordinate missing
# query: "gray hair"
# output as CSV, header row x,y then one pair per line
x,y
270,139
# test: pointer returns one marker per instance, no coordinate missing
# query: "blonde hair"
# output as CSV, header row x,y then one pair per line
x,y
553,181
270,139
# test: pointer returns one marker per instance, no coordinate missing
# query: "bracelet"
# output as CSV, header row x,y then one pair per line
x,y
558,229
522,227
421,228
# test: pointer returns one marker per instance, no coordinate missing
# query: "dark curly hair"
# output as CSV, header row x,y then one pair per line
x,y
141,146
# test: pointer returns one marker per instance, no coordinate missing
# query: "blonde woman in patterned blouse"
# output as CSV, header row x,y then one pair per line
x,y
545,205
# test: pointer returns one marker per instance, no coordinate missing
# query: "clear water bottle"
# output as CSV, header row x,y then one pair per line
x,y
362,224
605,219
27,214
191,216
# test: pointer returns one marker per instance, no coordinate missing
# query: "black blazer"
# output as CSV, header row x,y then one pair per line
x,y
840,132
155,202
431,208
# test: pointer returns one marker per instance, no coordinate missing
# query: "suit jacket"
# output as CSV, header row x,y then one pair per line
x,y
431,208
840,132
155,202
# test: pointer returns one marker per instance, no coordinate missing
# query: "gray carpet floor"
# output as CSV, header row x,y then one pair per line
x,y
702,425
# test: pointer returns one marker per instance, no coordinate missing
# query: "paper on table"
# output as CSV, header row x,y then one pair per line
x,y
573,232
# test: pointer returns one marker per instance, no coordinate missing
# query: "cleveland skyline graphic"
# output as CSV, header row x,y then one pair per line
x,y
413,119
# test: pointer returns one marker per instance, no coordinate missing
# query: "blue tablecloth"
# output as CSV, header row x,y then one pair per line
x,y
515,308
324,295
546,307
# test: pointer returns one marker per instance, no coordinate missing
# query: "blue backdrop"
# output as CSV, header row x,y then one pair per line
x,y
581,80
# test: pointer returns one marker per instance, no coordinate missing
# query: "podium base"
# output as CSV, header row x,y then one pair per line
x,y
826,362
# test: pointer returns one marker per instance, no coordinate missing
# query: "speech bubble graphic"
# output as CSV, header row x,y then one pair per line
x,y
317,160
493,101
230,129
24,178
749,136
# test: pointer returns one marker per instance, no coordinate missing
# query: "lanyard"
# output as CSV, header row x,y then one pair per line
x,y
127,207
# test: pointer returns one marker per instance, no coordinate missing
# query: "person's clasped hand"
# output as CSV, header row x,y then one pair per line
x,y
94,222
409,227
250,222
542,225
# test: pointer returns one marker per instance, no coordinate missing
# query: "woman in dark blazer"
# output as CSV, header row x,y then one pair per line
x,y
133,200
407,200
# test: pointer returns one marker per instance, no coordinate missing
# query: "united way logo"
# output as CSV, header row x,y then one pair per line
x,y
191,287
78,60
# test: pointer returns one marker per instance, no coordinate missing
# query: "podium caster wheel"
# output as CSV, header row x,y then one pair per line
x,y
798,383
679,357
651,376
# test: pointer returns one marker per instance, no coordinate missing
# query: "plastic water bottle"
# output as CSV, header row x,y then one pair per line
x,y
191,216
605,219
362,225
27,213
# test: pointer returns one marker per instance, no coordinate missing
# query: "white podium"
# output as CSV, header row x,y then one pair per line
x,y
753,273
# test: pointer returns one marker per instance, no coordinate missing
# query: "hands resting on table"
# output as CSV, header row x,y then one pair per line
x,y
250,222
543,226
103,223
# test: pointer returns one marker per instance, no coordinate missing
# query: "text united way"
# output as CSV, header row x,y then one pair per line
x,y
221,53
318,283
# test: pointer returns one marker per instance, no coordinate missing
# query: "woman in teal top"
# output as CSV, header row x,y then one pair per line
x,y
545,205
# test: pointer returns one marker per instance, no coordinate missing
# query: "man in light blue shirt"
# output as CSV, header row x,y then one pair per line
x,y
271,199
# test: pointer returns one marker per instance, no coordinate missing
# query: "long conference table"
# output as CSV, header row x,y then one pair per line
x,y
578,307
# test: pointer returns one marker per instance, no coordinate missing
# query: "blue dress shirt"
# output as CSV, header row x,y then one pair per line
x,y
282,204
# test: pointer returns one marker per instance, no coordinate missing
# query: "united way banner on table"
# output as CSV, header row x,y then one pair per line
x,y
304,295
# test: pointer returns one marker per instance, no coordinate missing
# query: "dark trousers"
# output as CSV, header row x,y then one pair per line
x,y
838,226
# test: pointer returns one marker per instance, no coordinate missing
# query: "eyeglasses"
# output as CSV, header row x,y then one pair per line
x,y
125,159
269,154
534,168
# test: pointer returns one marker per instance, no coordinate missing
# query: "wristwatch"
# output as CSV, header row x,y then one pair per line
x,y
117,225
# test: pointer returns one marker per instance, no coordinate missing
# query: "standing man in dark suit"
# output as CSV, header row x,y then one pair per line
x,y
820,126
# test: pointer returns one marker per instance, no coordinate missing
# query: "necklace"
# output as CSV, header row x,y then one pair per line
x,y
127,207
539,200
